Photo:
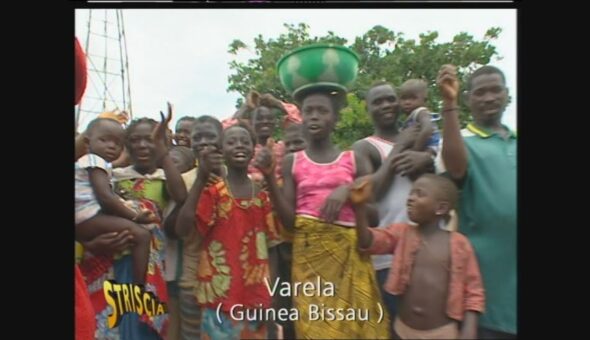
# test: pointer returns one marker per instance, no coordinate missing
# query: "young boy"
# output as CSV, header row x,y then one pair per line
x,y
435,272
413,94
293,138
183,129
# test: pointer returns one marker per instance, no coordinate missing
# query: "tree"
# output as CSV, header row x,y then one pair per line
x,y
384,55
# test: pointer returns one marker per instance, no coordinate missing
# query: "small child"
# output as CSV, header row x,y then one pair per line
x,y
434,272
183,129
413,94
98,209
183,157
293,138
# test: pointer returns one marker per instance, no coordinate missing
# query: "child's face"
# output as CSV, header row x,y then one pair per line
x,y
141,146
107,140
204,135
411,99
183,133
264,122
423,203
294,141
237,147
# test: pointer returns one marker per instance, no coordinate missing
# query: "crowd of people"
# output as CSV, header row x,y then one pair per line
x,y
414,223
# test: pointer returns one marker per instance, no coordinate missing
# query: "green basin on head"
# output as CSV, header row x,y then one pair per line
x,y
325,64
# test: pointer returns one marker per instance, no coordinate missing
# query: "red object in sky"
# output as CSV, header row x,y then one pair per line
x,y
80,71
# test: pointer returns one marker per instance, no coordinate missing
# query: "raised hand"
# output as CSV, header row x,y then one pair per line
x,y
448,83
265,159
210,161
159,134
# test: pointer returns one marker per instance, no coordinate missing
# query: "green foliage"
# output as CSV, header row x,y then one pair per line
x,y
384,55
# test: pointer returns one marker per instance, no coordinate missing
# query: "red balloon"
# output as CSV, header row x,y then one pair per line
x,y
80,71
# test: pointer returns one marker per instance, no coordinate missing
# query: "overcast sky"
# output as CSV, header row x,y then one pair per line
x,y
180,55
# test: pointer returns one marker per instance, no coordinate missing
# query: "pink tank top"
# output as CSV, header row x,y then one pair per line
x,y
315,182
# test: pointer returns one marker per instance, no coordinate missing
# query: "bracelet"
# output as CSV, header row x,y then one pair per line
x,y
450,109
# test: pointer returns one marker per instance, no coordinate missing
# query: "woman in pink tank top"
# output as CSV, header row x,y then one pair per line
x,y
313,203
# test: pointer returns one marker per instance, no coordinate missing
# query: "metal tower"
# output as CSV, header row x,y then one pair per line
x,y
108,86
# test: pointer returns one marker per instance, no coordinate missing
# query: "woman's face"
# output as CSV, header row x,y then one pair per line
x,y
141,146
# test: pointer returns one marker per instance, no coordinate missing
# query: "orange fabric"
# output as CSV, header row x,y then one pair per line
x,y
466,291
293,115
122,117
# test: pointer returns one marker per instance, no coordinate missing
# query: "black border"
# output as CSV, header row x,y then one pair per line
x,y
53,182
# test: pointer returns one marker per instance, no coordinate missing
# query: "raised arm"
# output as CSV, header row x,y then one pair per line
x,y
454,154
174,183
372,241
